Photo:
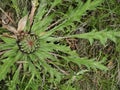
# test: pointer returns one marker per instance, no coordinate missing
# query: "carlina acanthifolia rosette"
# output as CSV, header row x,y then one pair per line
x,y
28,43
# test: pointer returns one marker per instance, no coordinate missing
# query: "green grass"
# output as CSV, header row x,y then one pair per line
x,y
70,45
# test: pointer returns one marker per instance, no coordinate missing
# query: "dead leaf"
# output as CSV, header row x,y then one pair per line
x,y
22,23
10,28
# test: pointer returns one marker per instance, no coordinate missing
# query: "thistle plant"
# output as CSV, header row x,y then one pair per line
x,y
30,57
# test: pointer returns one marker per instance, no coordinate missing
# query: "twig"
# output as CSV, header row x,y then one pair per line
x,y
32,14
2,52
9,36
64,72
34,5
53,24
48,12
7,15
10,28
21,62
20,66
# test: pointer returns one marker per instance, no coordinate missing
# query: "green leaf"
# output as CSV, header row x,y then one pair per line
x,y
15,79
89,63
100,35
7,64
56,2
42,25
41,10
8,53
74,15
54,74
67,87
15,6
95,3
6,46
8,40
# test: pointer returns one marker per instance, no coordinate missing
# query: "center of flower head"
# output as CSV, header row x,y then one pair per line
x,y
28,43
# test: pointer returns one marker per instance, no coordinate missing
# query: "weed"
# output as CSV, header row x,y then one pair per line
x,y
36,55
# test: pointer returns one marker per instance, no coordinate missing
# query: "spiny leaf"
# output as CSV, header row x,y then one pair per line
x,y
15,79
7,64
8,53
42,25
56,2
6,46
74,15
8,40
53,72
100,35
89,63
41,10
